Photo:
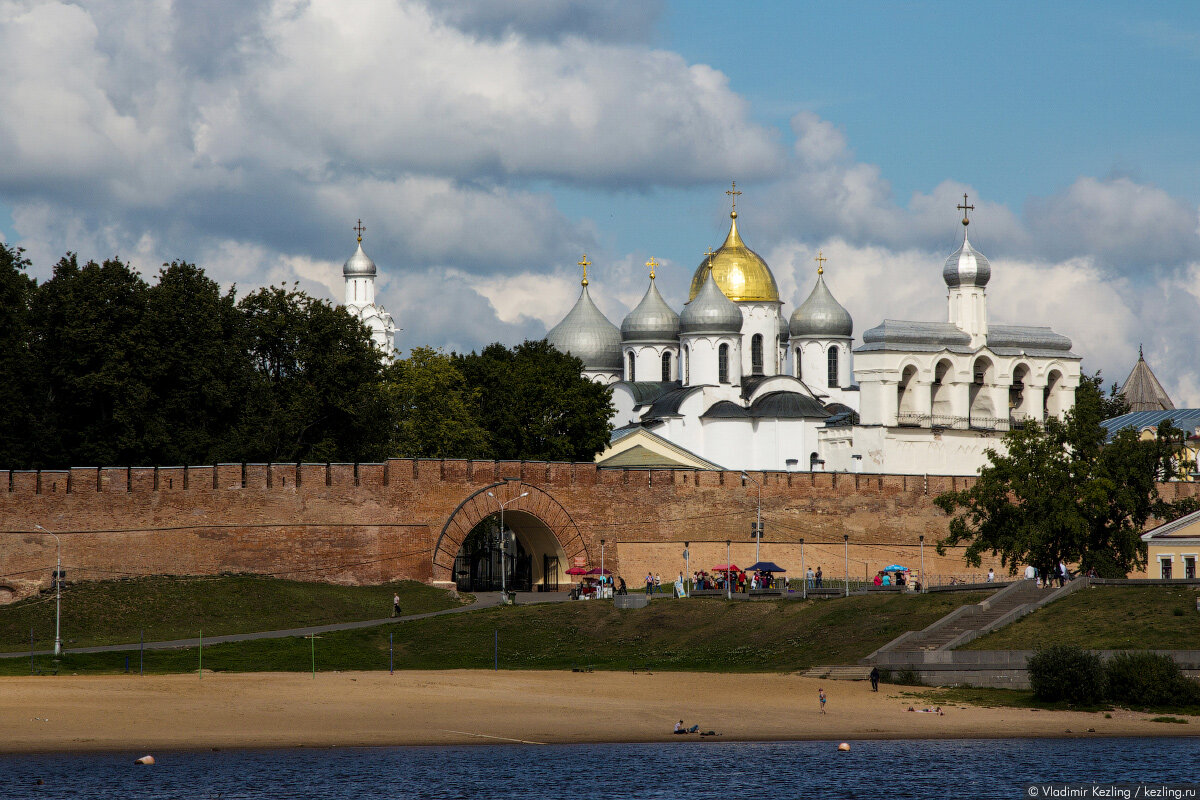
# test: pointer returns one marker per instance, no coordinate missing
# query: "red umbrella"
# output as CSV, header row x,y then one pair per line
x,y
578,571
726,568
598,571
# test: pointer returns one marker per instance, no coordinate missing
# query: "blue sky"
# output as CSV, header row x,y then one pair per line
x,y
487,144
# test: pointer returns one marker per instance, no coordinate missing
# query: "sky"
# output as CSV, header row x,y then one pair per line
x,y
487,145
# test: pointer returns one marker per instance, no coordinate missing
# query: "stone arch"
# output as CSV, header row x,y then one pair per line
x,y
539,505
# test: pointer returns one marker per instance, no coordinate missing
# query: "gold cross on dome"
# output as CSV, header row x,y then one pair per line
x,y
733,193
652,264
965,208
820,259
360,228
583,262
708,254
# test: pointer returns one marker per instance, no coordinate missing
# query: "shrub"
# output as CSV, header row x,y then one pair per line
x,y
905,677
1064,672
1149,679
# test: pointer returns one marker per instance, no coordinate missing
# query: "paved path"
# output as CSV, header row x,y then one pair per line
x,y
482,600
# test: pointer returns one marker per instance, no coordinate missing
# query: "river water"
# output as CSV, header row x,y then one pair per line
x,y
694,770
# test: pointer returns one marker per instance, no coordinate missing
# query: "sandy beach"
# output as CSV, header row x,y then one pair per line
x,y
481,707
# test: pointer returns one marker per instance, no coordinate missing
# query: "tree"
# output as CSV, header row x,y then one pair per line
x,y
19,391
91,350
317,392
433,410
536,405
200,371
1065,491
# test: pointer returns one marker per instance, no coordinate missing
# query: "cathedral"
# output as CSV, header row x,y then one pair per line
x,y
359,273
732,382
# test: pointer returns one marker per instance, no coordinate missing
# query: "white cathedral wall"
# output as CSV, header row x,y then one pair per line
x,y
602,376
812,356
906,451
360,291
760,319
648,361
702,359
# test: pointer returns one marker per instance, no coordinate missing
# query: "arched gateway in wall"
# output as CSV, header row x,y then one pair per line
x,y
541,527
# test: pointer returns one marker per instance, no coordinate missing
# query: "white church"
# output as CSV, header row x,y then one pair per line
x,y
359,273
732,383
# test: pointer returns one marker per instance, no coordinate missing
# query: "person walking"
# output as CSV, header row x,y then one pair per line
x,y
396,605
821,693
657,583
874,679
649,583
991,578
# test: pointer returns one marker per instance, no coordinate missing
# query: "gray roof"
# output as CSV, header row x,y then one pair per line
x,y
725,409
668,403
710,311
966,266
1142,391
898,334
359,265
588,335
651,321
648,391
1186,419
788,405
821,314
783,328
1012,340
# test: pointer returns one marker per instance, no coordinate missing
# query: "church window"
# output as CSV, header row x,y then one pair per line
x,y
756,354
833,368
799,363
723,364
632,374
666,366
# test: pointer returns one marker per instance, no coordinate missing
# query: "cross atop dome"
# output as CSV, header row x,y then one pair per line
x,y
965,208
583,262
733,194
820,259
652,264
359,228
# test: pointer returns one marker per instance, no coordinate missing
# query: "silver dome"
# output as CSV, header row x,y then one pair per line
x,y
359,265
783,330
651,321
967,267
588,335
821,314
710,311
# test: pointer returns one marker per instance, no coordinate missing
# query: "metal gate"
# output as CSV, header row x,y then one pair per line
x,y
549,574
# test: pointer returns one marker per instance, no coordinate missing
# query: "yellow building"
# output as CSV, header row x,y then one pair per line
x,y
1174,548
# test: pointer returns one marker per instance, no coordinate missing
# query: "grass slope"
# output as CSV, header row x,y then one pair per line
x,y
1107,618
112,612
697,634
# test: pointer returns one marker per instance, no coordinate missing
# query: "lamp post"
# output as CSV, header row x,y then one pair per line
x,y
57,592
923,581
803,570
601,563
846,539
687,568
503,565
758,531
728,572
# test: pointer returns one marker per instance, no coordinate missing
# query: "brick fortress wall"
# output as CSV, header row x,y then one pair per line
x,y
369,523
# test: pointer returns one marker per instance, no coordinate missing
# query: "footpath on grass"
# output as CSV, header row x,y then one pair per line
x,y
482,600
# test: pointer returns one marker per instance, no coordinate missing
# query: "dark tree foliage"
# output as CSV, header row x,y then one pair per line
x,y
535,405
95,359
19,391
1065,491
433,408
316,392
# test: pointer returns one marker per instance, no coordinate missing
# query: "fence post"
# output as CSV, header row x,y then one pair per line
x,y
391,659
141,651
31,669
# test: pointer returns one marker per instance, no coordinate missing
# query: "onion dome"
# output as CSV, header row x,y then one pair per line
x,y
652,320
739,272
821,314
360,264
783,329
967,266
710,311
588,335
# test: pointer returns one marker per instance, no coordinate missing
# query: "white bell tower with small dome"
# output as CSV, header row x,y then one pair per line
x,y
359,272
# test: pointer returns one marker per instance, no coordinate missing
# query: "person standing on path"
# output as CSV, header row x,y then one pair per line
x,y
818,577
874,679
649,584
808,577
396,605
821,696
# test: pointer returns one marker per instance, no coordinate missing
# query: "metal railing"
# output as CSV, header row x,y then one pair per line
x,y
909,420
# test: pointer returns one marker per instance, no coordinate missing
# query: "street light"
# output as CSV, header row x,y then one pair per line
x,y
57,592
923,581
803,570
846,539
601,563
758,525
503,564
728,572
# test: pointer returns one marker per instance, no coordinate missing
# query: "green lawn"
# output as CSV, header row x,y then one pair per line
x,y
112,612
696,634
1107,618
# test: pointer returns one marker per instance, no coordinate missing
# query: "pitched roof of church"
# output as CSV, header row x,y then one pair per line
x,y
1142,391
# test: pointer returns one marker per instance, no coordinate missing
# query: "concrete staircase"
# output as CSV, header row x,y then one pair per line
x,y
839,672
946,632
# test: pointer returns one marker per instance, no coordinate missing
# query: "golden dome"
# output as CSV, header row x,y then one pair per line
x,y
739,271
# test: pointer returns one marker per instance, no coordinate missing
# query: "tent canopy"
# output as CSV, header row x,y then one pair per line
x,y
765,566
895,568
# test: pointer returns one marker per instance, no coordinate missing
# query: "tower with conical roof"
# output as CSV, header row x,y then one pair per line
x,y
967,273
589,336
359,272
1142,391
820,334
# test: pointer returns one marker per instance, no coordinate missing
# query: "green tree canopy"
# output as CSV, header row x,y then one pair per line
x,y
19,390
536,405
433,408
1064,491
